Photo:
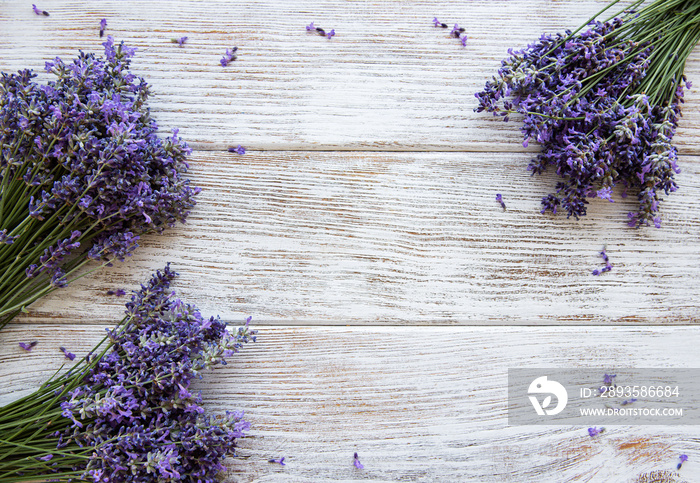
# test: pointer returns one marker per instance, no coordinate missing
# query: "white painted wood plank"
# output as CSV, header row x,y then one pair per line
x,y
406,238
389,80
417,404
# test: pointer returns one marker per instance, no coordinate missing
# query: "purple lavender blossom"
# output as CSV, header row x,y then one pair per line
x,y
310,27
464,38
280,461
48,457
437,23
228,57
69,355
356,462
577,95
117,293
91,163
683,458
181,41
330,34
240,150
594,431
134,408
457,31
28,346
39,11
629,401
103,26
608,378
608,266
499,198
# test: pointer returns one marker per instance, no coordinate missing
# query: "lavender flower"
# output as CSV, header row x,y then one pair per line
x,y
69,355
330,34
457,31
437,23
280,461
39,11
181,41
127,413
310,27
608,378
683,458
629,401
28,346
240,150
604,104
103,26
117,293
228,57
88,172
594,431
464,38
499,198
356,462
607,268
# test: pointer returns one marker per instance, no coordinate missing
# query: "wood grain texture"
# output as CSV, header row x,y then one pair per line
x,y
388,81
406,238
416,403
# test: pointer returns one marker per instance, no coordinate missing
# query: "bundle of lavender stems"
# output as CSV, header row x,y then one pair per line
x,y
126,412
82,173
604,103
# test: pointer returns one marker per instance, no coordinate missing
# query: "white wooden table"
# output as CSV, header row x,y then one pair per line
x,y
361,232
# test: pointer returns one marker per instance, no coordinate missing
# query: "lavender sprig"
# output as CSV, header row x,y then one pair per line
x,y
125,413
604,104
83,173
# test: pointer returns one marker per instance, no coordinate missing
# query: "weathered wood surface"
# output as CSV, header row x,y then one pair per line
x,y
409,238
416,403
388,80
366,198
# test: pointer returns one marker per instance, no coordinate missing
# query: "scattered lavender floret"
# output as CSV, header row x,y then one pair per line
x,y
683,459
629,401
117,293
39,11
280,461
103,26
28,346
69,355
310,27
464,38
608,378
499,198
240,150
457,31
606,268
229,56
594,431
330,34
181,41
437,23
356,462
48,457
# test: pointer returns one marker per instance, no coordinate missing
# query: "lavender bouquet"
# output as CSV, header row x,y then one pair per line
x,y
82,173
125,412
604,103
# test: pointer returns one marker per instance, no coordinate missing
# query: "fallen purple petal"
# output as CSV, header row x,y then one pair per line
x,y
28,346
